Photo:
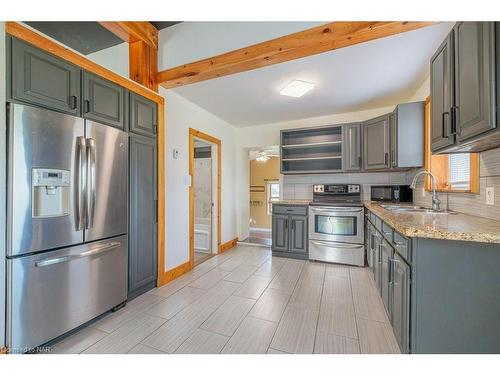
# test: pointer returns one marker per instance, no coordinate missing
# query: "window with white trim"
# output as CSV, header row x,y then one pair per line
x,y
273,194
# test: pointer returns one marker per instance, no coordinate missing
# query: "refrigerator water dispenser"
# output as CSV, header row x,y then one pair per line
x,y
50,192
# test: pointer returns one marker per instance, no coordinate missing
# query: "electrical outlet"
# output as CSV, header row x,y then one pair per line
x,y
490,195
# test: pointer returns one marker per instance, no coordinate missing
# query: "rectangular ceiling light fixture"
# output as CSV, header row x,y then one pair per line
x,y
297,88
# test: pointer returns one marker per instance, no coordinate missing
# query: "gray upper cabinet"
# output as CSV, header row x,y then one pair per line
x,y
143,215
376,143
442,95
298,234
464,89
474,78
143,115
104,101
407,135
352,147
401,302
280,232
42,79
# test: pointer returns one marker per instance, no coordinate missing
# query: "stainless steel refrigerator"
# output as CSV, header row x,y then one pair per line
x,y
67,213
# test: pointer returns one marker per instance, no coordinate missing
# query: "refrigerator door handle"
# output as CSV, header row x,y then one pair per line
x,y
81,184
91,178
95,251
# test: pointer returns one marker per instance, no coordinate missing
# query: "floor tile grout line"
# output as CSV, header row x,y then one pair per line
x,y
319,309
355,314
286,306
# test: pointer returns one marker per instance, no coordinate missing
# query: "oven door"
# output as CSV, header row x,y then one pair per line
x,y
338,224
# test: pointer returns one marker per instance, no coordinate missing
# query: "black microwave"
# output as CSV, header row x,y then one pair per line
x,y
392,193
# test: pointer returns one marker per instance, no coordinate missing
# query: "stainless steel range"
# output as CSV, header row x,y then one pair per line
x,y
336,230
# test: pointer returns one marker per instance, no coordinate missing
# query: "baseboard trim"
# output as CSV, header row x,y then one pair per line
x,y
4,350
174,273
228,245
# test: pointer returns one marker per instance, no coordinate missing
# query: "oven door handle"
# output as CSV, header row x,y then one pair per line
x,y
337,244
337,209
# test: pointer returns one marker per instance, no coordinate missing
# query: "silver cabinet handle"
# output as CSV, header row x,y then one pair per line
x,y
91,177
81,184
96,250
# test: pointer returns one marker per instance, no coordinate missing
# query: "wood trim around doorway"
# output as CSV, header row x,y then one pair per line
x,y
193,133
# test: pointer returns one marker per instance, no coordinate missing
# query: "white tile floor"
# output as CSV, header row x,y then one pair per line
x,y
246,301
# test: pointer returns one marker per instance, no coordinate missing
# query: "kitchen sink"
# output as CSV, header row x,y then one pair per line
x,y
401,208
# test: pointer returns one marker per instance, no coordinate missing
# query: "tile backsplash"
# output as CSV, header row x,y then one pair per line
x,y
300,187
473,204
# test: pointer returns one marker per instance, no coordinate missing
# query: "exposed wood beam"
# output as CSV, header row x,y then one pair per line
x,y
143,64
142,38
131,32
309,42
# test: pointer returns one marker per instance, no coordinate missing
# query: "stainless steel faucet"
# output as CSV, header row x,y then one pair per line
x,y
435,200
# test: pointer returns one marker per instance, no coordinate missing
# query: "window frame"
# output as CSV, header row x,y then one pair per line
x,y
439,164
270,200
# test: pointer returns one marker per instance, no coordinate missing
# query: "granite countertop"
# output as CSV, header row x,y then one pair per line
x,y
299,202
459,227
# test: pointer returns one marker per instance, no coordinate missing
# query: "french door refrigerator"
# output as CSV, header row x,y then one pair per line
x,y
67,223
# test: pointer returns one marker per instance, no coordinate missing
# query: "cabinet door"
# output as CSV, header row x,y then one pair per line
x,y
42,79
474,78
280,233
385,275
352,147
442,96
143,214
376,143
393,126
401,302
143,115
103,101
377,257
298,234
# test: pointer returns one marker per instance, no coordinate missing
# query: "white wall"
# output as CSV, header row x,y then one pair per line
x,y
180,115
190,41
114,58
269,134
3,122
423,91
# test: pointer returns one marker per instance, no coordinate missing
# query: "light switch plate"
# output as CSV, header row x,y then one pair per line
x,y
175,153
490,195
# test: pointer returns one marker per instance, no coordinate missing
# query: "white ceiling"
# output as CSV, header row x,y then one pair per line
x,y
375,74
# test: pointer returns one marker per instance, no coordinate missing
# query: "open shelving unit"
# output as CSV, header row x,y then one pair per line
x,y
311,150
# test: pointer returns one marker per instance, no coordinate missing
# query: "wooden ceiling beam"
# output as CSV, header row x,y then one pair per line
x,y
131,32
142,38
305,43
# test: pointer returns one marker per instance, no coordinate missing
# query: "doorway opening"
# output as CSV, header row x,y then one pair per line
x,y
264,191
204,196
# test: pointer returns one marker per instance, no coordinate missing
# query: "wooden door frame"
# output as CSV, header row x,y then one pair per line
x,y
193,133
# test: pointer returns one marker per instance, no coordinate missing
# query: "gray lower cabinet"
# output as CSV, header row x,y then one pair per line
x,y
143,215
376,143
104,101
401,302
143,115
386,253
352,147
42,79
290,231
280,232
298,234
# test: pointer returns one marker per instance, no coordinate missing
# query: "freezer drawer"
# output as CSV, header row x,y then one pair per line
x,y
51,293
337,252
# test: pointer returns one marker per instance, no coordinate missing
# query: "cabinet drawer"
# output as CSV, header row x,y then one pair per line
x,y
402,246
289,209
387,231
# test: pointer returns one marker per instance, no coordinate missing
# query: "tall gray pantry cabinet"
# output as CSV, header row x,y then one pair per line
x,y
44,80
